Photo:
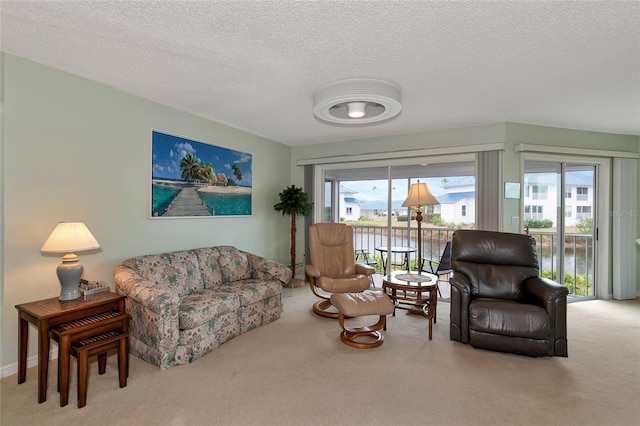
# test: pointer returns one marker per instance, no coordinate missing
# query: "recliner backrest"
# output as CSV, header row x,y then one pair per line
x,y
496,263
331,249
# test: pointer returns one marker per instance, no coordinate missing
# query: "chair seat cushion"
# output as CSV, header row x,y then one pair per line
x,y
508,318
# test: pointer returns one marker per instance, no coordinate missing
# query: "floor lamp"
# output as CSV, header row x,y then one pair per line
x,y
419,196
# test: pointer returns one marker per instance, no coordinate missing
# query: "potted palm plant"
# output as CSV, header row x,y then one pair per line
x,y
293,202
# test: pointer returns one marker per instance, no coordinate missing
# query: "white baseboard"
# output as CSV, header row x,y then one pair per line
x,y
11,369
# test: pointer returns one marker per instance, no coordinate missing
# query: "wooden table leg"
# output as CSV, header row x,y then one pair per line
x,y
63,374
43,359
23,343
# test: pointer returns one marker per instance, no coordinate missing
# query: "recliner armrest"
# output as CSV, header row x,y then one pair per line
x,y
365,269
312,271
544,292
553,298
460,299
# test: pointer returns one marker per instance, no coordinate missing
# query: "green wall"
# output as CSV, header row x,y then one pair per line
x,y
76,150
509,134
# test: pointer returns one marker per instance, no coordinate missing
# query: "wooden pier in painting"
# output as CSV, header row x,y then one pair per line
x,y
187,203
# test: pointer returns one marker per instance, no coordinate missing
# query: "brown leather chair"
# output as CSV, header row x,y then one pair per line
x,y
333,268
498,300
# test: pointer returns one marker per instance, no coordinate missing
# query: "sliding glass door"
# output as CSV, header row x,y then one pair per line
x,y
559,211
370,199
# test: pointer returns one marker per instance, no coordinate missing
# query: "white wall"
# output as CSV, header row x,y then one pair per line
x,y
76,150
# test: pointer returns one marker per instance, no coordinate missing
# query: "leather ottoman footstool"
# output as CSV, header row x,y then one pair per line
x,y
351,305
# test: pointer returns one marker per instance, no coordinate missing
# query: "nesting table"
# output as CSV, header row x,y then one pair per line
x,y
414,292
47,313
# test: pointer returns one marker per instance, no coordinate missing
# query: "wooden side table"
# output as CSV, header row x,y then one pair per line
x,y
415,292
47,313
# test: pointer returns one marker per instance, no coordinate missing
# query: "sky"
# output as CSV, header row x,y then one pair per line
x,y
372,190
168,150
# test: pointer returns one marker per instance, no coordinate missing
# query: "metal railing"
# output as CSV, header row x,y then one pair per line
x,y
578,251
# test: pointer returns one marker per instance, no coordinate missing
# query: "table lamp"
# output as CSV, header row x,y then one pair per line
x,y
70,237
419,196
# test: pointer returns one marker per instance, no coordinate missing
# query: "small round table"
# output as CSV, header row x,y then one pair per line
x,y
415,292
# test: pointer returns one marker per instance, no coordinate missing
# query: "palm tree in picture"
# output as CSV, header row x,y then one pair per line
x,y
207,173
190,167
293,202
237,172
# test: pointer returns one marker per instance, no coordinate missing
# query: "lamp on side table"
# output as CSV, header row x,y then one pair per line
x,y
70,237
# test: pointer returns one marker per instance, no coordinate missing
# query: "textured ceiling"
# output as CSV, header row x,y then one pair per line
x,y
254,65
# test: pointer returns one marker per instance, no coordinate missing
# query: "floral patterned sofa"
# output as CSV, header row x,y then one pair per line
x,y
185,304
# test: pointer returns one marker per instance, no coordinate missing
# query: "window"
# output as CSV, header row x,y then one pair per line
x,y
349,210
583,211
464,211
540,192
582,193
567,211
533,212
567,193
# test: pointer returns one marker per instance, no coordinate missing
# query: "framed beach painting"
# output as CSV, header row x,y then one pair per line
x,y
197,179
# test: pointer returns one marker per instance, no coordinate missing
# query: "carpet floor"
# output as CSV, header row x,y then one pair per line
x,y
296,371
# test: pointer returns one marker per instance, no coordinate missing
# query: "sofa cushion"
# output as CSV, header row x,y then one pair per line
x,y
201,306
209,266
252,290
177,271
508,318
234,264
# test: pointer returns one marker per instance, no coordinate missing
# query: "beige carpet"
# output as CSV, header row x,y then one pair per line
x,y
297,372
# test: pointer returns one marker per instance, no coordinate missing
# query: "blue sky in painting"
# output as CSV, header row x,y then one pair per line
x,y
168,150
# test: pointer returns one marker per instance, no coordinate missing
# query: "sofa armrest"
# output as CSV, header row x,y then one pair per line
x,y
154,314
269,269
460,300
153,297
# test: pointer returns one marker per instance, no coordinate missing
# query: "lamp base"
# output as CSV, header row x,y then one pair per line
x,y
69,273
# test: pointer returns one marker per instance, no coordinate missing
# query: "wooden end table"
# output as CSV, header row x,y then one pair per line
x,y
414,292
47,313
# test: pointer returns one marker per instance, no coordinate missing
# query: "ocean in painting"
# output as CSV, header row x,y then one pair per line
x,y
162,196
227,204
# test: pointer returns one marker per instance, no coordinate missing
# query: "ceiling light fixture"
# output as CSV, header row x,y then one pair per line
x,y
357,101
356,109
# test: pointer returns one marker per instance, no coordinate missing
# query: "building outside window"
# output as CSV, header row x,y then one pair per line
x,y
540,192
533,212
583,211
582,193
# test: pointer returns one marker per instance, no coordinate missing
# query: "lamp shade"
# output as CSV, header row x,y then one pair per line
x,y
419,195
68,237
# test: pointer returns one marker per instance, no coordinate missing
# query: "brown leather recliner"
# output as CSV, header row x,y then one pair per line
x,y
498,300
333,268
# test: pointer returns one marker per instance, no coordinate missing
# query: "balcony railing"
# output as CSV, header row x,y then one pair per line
x,y
578,251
